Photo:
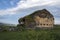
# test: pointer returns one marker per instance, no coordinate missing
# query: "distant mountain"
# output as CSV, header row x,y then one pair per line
x,y
1,23
5,24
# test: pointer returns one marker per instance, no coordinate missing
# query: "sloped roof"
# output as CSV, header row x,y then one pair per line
x,y
41,13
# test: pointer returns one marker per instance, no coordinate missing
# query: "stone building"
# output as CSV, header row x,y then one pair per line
x,y
40,18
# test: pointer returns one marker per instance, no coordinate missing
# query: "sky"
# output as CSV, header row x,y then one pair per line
x,y
12,10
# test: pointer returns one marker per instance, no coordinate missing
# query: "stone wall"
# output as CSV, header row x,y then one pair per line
x,y
44,22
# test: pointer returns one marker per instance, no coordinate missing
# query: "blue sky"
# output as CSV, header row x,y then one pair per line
x,y
12,10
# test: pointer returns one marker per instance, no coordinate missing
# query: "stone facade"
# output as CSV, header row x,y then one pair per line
x,y
40,18
44,22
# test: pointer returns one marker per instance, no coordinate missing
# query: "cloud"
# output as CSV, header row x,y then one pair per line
x,y
54,10
33,3
23,4
4,12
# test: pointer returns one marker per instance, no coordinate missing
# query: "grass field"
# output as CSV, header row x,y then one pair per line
x,y
53,34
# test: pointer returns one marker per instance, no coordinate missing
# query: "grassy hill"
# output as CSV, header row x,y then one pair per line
x,y
53,34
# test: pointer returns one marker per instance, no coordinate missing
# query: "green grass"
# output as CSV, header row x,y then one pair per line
x,y
53,34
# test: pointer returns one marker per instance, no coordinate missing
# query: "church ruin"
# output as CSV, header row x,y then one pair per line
x,y
40,18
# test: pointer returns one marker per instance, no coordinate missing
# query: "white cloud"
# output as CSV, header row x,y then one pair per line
x,y
33,3
5,12
26,4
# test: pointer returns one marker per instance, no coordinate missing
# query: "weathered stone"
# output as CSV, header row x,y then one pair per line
x,y
40,18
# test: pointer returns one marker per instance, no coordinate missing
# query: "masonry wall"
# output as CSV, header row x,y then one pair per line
x,y
44,22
